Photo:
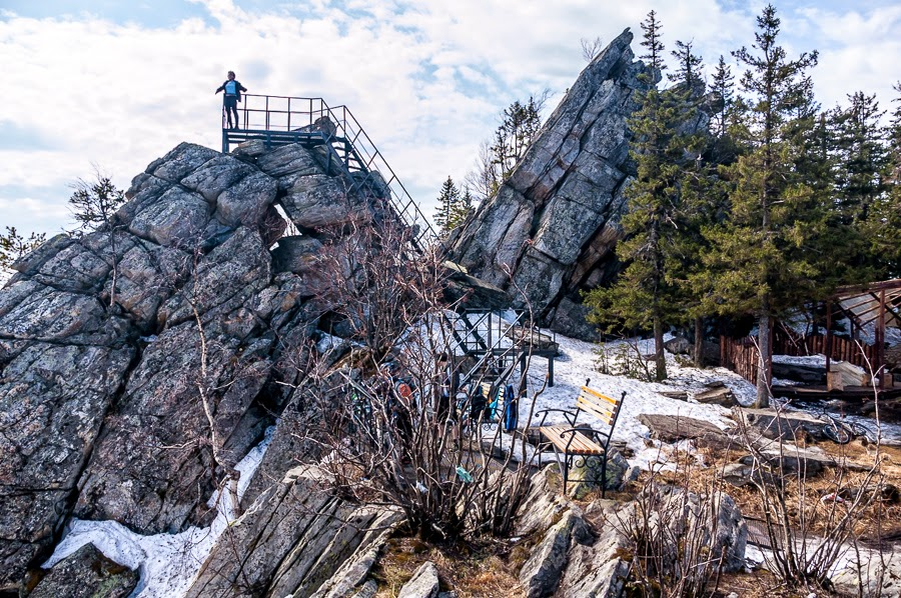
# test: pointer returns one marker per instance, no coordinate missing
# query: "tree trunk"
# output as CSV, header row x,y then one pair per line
x,y
699,342
763,381
659,354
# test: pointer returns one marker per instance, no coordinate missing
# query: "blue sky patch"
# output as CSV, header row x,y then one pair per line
x,y
147,13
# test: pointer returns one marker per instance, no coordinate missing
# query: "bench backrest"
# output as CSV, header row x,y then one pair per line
x,y
601,406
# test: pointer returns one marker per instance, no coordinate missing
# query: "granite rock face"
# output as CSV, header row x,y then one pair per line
x,y
87,574
550,229
295,540
135,411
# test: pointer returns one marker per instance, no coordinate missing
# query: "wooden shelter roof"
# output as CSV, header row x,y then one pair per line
x,y
863,303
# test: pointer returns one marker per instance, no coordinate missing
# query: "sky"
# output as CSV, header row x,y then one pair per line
x,y
108,86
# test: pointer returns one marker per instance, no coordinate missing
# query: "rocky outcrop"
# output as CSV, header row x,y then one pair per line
x,y
297,540
135,411
550,229
86,574
571,559
581,555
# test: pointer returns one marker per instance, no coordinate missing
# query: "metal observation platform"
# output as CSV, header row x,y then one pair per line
x,y
283,120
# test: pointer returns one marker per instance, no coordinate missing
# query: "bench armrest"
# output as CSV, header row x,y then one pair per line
x,y
569,415
602,437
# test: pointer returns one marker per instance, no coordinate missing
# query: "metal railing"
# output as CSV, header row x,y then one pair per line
x,y
279,120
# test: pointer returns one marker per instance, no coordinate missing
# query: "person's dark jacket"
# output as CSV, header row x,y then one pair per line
x,y
238,88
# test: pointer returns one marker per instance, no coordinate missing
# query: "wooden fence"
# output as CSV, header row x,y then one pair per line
x,y
741,356
843,349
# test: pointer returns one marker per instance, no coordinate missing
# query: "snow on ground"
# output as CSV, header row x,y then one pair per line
x,y
577,362
167,562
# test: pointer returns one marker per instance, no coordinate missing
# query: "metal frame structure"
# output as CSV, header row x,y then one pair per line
x,y
284,120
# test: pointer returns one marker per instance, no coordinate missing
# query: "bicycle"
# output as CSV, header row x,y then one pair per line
x,y
841,431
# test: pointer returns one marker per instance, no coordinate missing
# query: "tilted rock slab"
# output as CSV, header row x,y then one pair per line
x,y
550,229
294,540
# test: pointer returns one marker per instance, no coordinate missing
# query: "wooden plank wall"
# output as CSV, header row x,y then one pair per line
x,y
740,355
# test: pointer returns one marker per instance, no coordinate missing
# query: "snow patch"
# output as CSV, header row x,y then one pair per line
x,y
167,563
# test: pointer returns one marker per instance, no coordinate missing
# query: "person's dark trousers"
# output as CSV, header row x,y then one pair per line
x,y
231,107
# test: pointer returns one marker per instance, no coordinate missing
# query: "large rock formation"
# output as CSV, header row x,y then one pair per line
x,y
550,229
136,412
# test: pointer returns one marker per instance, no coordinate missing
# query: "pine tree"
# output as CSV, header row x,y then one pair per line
x,y
688,65
649,292
520,124
94,204
517,129
652,42
722,86
884,216
448,199
862,156
764,256
14,246
461,210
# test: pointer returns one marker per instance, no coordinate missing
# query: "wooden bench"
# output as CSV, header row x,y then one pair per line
x,y
573,443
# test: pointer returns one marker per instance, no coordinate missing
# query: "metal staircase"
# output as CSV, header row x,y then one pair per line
x,y
283,120
496,346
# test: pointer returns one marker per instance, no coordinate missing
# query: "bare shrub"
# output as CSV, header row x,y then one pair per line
x,y
809,531
389,419
677,542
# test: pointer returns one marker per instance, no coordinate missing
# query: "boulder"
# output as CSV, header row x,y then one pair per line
x,y
585,476
672,428
86,574
542,506
678,345
721,395
778,425
599,568
423,584
713,521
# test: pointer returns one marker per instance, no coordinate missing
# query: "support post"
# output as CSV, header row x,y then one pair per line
x,y
550,371
879,366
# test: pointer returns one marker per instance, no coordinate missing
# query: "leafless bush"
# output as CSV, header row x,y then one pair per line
x,y
389,417
809,531
678,547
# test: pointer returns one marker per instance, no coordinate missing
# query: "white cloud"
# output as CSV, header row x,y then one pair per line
x,y
426,79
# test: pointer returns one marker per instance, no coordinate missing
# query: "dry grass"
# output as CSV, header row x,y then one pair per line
x,y
490,569
471,570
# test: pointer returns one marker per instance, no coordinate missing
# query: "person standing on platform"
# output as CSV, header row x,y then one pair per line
x,y
232,89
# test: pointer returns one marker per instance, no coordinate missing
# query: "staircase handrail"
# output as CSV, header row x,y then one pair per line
x,y
347,131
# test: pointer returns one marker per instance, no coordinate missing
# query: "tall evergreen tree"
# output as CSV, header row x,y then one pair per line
x,y
722,85
688,65
764,254
651,41
862,156
461,209
648,292
448,199
884,216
